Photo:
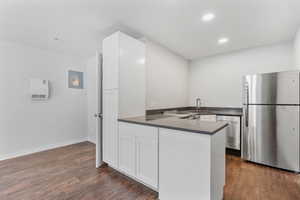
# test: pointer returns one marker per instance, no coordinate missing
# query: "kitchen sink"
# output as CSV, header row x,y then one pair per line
x,y
180,114
192,115
203,117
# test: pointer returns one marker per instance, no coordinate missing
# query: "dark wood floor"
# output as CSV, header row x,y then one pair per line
x,y
69,173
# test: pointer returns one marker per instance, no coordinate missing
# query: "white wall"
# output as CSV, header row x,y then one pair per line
x,y
218,80
25,126
167,78
297,50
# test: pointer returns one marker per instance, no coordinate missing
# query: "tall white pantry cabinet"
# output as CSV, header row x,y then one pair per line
x,y
124,88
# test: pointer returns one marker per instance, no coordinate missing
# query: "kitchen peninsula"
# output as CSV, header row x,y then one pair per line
x,y
180,158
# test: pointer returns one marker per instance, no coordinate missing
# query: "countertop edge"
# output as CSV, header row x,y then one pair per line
x,y
232,115
221,111
174,128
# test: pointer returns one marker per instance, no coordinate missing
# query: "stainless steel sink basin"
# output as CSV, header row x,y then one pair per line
x,y
180,114
191,114
202,117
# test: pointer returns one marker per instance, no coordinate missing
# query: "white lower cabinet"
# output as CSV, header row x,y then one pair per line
x,y
126,150
147,156
138,153
110,127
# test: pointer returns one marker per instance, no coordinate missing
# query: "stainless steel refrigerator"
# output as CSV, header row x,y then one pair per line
x,y
271,109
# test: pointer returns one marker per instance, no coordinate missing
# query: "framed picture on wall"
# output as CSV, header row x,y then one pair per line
x,y
75,79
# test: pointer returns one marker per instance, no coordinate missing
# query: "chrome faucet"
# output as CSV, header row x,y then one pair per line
x,y
198,104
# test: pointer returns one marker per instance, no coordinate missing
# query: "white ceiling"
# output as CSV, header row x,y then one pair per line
x,y
176,24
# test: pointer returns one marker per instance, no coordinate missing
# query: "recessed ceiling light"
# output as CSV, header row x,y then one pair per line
x,y
208,17
223,40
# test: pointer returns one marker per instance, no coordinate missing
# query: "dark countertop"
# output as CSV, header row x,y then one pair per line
x,y
226,111
162,121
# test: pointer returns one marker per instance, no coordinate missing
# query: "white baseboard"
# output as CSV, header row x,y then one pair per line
x,y
39,149
91,141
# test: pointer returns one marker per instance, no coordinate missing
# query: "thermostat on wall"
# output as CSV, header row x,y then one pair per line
x,y
39,89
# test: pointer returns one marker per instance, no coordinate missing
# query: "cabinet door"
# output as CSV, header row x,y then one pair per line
x,y
138,152
147,155
126,149
110,127
111,62
132,78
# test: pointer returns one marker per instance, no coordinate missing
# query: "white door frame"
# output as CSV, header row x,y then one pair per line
x,y
98,115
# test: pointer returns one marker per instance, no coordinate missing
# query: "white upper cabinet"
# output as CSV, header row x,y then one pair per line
x,y
124,69
111,62
132,77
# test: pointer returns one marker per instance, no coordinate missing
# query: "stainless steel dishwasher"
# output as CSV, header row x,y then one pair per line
x,y
233,131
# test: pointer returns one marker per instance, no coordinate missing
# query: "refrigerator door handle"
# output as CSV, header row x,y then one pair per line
x,y
247,115
247,107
